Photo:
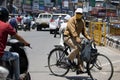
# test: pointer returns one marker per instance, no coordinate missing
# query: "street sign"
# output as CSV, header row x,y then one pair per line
x,y
74,1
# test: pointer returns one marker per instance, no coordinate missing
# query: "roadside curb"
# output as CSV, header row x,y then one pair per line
x,y
113,41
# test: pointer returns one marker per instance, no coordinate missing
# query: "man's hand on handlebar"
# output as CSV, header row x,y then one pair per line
x,y
27,44
78,40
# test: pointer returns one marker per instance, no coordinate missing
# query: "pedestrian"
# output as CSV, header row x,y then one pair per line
x,y
58,22
5,30
62,28
75,27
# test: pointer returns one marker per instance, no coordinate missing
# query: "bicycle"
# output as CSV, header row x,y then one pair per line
x,y
98,64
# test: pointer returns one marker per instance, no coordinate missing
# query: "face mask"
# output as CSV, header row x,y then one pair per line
x,y
78,16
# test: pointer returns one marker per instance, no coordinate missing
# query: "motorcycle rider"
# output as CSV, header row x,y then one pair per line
x,y
26,22
5,30
13,22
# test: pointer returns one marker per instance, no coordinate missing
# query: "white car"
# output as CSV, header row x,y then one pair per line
x,y
42,21
52,24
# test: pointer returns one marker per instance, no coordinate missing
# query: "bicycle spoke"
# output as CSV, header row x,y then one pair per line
x,y
98,65
53,65
56,62
102,67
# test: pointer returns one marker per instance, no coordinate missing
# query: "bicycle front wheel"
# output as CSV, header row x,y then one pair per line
x,y
101,69
56,62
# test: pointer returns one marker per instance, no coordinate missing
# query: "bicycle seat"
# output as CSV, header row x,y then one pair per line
x,y
59,46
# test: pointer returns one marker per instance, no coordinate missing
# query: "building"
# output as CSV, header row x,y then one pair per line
x,y
65,6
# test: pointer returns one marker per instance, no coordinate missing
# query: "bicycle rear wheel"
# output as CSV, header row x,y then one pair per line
x,y
56,62
101,69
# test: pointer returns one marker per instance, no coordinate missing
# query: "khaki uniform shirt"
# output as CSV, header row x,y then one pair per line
x,y
75,27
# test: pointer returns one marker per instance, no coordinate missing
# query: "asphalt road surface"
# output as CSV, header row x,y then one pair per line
x,y
42,43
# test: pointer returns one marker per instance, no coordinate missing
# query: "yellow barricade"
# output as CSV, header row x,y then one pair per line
x,y
98,32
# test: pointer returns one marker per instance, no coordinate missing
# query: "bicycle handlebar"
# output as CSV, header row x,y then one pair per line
x,y
86,42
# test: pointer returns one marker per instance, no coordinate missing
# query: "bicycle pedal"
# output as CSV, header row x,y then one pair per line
x,y
73,70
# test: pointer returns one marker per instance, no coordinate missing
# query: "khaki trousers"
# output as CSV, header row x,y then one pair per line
x,y
75,50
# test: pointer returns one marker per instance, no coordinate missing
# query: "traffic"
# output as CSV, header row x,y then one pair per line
x,y
67,40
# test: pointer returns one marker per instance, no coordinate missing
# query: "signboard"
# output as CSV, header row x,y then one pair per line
x,y
35,5
28,2
115,1
42,8
74,1
99,0
27,5
41,5
65,3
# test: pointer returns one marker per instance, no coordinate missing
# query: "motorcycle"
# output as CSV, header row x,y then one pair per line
x,y
7,67
26,26
20,26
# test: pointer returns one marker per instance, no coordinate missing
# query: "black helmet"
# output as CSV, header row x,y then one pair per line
x,y
4,14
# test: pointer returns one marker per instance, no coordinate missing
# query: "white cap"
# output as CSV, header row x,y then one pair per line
x,y
79,10
67,17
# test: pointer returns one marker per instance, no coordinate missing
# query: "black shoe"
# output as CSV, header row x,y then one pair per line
x,y
79,72
73,64
54,36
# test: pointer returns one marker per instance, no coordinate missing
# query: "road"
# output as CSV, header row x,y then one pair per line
x,y
42,43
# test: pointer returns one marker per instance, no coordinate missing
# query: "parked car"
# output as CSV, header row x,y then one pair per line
x,y
42,21
52,24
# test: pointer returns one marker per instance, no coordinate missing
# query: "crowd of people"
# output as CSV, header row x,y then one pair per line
x,y
20,22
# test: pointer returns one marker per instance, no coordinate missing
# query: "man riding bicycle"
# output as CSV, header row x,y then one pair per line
x,y
5,29
75,26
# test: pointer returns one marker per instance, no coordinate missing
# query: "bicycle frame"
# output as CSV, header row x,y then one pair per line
x,y
61,57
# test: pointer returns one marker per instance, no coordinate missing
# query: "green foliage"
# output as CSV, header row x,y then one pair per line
x,y
92,3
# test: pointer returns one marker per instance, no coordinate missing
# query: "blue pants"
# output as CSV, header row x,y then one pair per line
x,y
8,56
